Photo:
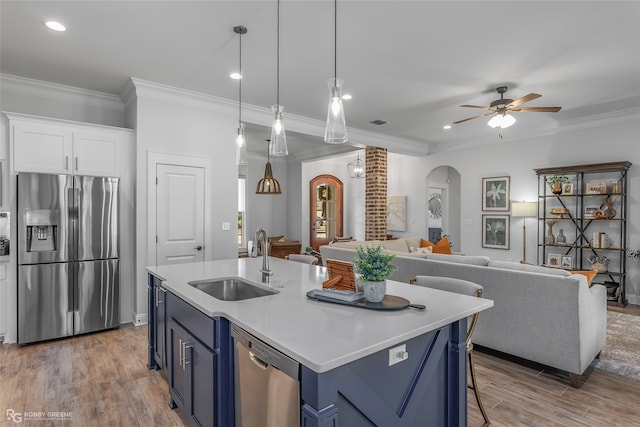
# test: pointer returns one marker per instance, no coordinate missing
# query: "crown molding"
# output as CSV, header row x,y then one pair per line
x,y
59,92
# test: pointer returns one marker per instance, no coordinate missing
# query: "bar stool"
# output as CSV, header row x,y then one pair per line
x,y
464,287
307,259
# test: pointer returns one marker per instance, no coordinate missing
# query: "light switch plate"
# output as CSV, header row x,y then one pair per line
x,y
226,226
398,354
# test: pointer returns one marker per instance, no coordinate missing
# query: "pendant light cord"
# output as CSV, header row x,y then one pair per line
x,y
335,39
278,59
240,85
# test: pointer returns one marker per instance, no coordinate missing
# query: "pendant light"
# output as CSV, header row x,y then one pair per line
x,y
241,142
356,168
278,145
335,132
268,184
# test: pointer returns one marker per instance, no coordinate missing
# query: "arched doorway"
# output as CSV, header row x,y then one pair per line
x,y
325,211
443,205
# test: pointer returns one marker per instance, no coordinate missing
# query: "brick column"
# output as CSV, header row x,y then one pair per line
x,y
375,222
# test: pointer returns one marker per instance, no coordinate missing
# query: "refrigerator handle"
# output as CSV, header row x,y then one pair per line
x,y
76,163
66,162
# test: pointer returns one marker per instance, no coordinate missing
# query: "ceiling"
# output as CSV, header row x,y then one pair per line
x,y
409,62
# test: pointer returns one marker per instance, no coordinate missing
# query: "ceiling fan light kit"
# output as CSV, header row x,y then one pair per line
x,y
503,106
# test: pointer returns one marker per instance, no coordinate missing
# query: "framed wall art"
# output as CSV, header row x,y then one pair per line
x,y
397,213
495,231
566,261
495,193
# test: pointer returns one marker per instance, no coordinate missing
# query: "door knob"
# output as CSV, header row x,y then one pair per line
x,y
198,248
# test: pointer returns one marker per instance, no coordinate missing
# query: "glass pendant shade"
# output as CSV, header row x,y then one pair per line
x,y
356,169
268,184
502,121
278,145
241,146
335,131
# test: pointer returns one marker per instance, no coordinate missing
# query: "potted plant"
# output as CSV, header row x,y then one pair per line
x,y
599,263
373,265
634,254
555,182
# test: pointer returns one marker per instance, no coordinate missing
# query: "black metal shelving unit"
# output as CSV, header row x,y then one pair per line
x,y
587,217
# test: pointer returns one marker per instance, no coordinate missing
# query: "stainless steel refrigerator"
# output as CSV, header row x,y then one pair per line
x,y
68,268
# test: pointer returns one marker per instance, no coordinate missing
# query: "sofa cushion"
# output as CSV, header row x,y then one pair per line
x,y
589,274
482,261
412,241
529,268
395,245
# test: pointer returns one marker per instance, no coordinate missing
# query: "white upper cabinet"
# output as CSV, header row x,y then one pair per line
x,y
49,146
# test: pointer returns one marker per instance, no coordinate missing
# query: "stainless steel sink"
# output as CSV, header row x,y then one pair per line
x,y
231,289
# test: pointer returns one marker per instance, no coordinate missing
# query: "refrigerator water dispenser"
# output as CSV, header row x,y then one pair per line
x,y
42,230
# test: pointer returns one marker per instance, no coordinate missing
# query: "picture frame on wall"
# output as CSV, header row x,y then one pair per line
x,y
495,193
495,231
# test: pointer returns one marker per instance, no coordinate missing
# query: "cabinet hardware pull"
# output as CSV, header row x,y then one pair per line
x,y
156,296
185,361
76,162
66,162
180,352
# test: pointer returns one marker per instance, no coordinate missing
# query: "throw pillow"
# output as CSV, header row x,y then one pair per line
x,y
442,247
426,250
589,274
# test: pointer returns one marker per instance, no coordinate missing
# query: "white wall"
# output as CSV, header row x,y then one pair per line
x,y
174,121
406,176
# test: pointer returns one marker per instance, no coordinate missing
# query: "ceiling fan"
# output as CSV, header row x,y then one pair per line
x,y
503,106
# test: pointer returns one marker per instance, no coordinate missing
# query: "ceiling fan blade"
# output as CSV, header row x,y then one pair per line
x,y
537,109
522,100
476,106
474,117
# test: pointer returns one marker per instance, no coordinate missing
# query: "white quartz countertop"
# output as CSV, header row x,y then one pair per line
x,y
322,336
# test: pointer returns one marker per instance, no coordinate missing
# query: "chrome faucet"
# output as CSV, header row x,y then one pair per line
x,y
261,234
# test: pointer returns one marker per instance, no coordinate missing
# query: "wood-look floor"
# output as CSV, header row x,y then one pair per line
x,y
102,379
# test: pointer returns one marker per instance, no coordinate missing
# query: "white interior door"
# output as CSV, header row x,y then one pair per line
x,y
180,230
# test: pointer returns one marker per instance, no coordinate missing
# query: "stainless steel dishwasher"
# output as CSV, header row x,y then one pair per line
x,y
267,385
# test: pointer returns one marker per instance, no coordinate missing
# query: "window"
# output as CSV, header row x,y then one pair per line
x,y
242,235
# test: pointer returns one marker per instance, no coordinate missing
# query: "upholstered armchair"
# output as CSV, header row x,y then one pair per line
x,y
280,249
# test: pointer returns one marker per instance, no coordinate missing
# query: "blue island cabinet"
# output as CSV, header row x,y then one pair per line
x,y
199,364
157,330
428,389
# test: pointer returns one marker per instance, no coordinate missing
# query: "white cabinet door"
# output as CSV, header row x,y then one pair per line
x,y
45,148
97,153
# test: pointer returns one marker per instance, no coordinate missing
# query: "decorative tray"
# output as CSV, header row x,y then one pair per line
x,y
389,302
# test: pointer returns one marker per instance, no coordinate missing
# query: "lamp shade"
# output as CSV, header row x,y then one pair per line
x,y
524,209
268,184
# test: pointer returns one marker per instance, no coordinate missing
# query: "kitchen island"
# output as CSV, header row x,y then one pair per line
x,y
344,352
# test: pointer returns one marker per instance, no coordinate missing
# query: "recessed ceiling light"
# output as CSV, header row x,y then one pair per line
x,y
55,26
446,127
235,76
346,96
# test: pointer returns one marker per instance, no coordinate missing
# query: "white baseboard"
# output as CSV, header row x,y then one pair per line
x,y
140,319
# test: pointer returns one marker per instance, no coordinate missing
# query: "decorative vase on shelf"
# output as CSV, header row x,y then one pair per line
x,y
556,187
549,239
374,291
561,239
600,267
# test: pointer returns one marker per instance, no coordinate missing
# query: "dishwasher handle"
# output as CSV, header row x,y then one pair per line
x,y
258,362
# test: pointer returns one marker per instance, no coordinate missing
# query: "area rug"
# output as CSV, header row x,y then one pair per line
x,y
621,354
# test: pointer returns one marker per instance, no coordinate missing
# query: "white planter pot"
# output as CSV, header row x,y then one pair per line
x,y
374,291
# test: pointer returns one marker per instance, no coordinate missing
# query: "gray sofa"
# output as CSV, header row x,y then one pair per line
x,y
545,315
